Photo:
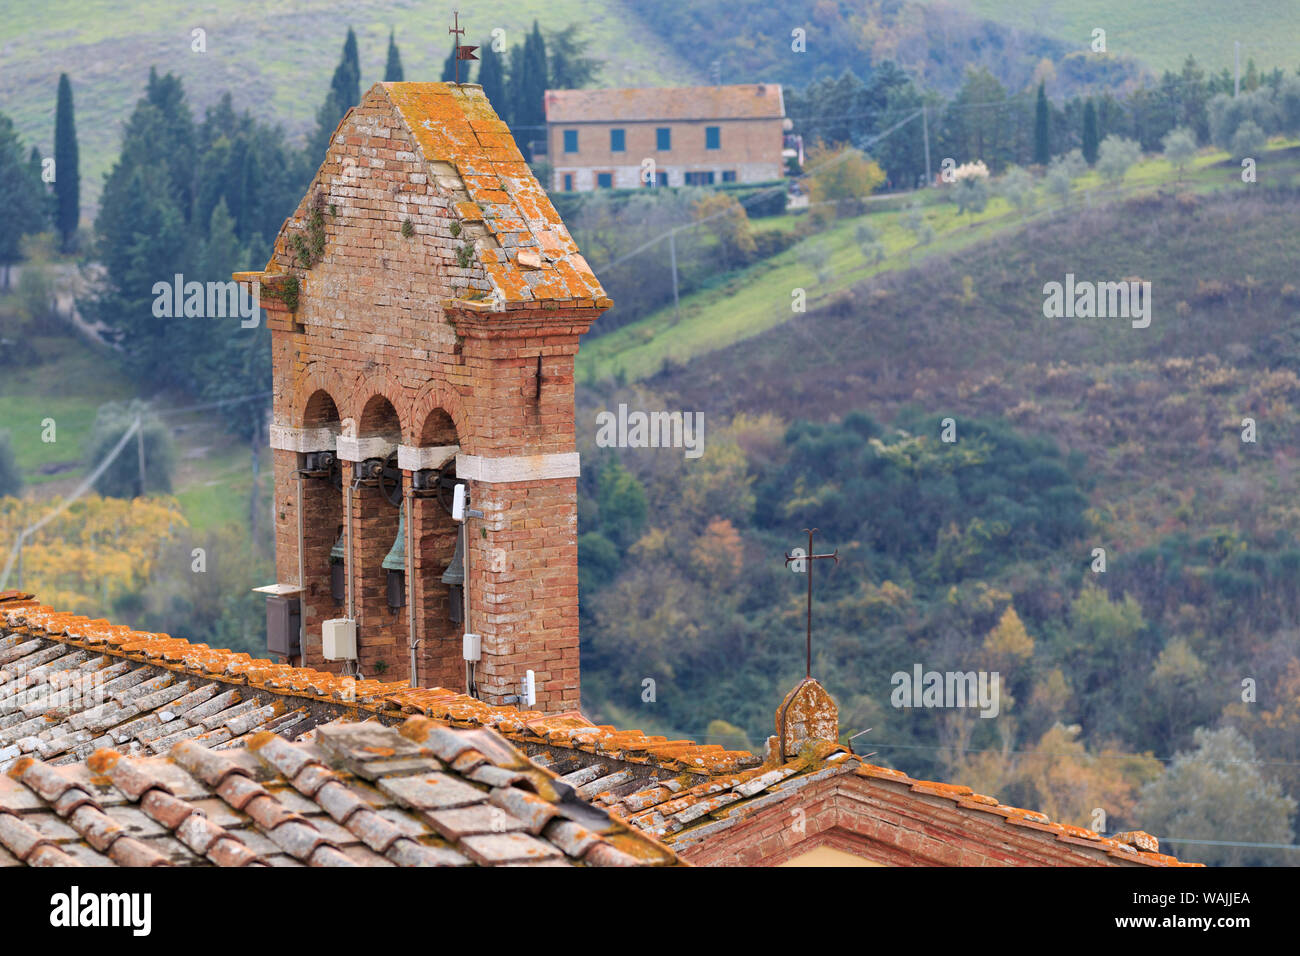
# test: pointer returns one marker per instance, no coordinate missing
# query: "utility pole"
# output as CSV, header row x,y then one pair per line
x,y
925,133
672,252
672,255
252,504
139,451
1236,82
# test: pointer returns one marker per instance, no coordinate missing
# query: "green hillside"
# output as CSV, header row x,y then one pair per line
x,y
1156,411
758,298
289,47
1161,33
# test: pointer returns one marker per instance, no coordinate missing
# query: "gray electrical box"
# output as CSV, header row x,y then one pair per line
x,y
283,622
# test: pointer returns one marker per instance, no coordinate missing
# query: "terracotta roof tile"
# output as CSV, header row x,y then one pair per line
x,y
745,101
451,746
280,803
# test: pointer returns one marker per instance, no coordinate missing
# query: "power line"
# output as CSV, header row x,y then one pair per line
x,y
756,197
1097,756
1261,846
89,481
68,502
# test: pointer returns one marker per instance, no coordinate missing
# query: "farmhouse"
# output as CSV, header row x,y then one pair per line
x,y
675,136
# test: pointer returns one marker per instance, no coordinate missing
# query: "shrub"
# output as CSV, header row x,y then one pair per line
x,y
121,479
11,479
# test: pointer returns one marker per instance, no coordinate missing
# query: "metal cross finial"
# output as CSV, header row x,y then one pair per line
x,y
810,557
460,52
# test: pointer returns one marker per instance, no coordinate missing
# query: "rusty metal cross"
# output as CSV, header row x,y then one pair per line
x,y
810,557
461,52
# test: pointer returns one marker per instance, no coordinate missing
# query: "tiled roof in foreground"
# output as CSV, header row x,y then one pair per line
x,y
679,791
355,795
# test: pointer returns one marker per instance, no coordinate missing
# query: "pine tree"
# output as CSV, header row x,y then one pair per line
x,y
21,197
67,175
570,67
492,78
1042,145
166,133
1091,142
393,69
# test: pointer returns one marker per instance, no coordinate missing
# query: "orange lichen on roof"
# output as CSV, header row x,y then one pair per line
x,y
572,731
742,101
1122,845
492,187
456,124
712,785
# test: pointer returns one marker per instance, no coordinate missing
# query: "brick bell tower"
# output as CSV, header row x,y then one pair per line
x,y
425,304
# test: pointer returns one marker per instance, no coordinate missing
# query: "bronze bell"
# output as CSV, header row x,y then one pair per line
x,y
454,577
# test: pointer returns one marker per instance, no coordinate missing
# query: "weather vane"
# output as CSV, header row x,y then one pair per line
x,y
462,52
810,557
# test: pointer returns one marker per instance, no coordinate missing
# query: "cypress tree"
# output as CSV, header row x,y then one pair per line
x,y
34,165
515,79
393,69
1042,144
1091,141
449,67
67,176
492,78
346,82
344,93
537,76
530,91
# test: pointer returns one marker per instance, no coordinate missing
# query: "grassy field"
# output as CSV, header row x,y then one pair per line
x,y
68,386
1161,33
213,476
275,56
759,298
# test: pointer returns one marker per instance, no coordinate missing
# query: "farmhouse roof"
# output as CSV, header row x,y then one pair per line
x,y
683,103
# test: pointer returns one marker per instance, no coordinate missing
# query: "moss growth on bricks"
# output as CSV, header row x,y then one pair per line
x,y
309,245
408,227
286,292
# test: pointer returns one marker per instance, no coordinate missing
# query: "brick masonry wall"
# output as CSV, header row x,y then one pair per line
x,y
887,824
370,323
